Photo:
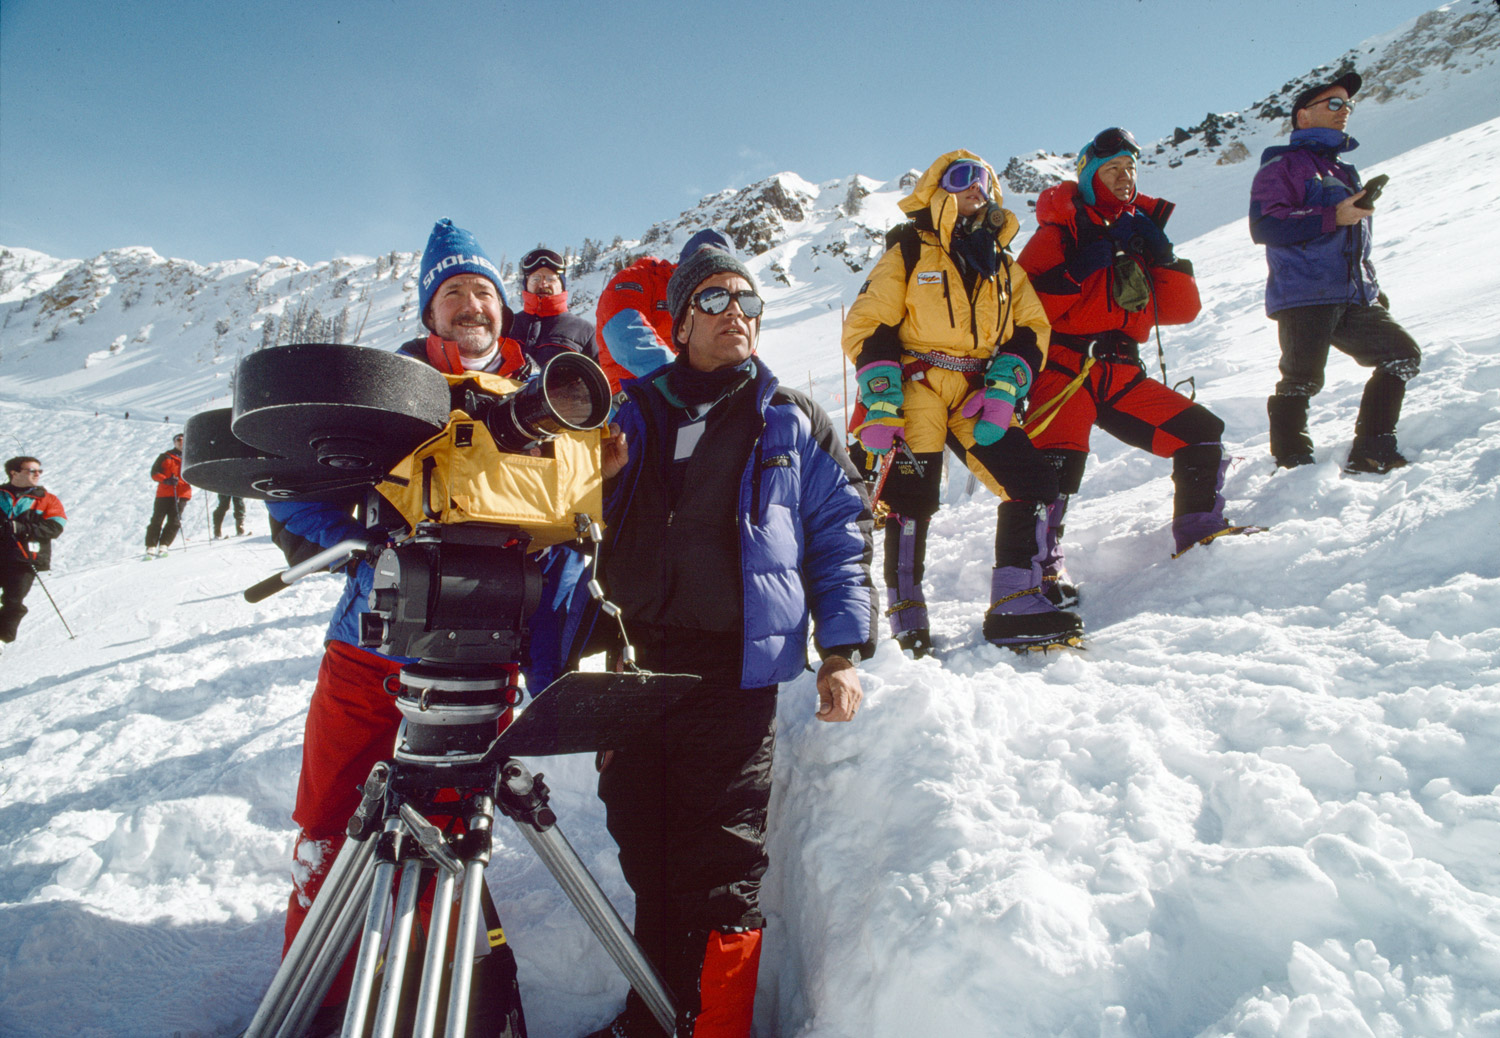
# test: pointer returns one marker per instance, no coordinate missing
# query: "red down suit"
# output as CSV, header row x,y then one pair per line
x,y
1086,319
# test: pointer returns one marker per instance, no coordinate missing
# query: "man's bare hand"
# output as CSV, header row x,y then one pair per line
x,y
839,691
1348,211
614,451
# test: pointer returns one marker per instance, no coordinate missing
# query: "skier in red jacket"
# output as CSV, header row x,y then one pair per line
x,y
30,518
172,493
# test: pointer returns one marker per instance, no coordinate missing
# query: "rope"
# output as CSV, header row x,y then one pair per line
x,y
1016,595
1052,408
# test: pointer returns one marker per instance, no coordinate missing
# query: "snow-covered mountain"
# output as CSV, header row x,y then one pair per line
x,y
1266,800
129,330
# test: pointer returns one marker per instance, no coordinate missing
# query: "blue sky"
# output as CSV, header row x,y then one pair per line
x,y
214,130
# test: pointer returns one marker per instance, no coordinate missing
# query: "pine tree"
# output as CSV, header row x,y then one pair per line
x,y
854,200
588,256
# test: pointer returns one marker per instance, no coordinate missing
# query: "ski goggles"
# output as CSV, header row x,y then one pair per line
x,y
716,300
964,174
536,259
1111,142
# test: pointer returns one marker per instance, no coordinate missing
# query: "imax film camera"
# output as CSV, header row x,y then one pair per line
x,y
461,481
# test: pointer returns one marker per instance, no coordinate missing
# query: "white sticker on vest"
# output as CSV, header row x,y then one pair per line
x,y
687,440
930,277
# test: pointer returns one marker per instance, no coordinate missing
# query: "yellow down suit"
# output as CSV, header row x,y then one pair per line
x,y
937,311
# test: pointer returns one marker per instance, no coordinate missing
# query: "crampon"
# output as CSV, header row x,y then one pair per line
x,y
1228,531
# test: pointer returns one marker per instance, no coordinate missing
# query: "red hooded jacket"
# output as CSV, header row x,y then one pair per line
x,y
1087,307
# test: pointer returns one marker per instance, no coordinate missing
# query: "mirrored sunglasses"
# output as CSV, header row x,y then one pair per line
x,y
716,301
1336,104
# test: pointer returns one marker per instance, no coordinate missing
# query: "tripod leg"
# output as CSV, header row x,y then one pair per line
x,y
349,870
463,950
595,907
330,958
480,823
437,945
524,800
375,932
395,959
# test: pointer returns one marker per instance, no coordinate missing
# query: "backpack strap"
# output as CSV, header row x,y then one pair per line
x,y
906,237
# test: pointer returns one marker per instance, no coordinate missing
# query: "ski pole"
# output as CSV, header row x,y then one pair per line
x,y
181,528
43,585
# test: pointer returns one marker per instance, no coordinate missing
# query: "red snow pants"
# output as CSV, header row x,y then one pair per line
x,y
351,726
1119,398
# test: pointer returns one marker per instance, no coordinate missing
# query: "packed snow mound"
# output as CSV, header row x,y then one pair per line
x,y
1263,802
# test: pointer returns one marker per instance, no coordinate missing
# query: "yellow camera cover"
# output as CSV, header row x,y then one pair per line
x,y
460,476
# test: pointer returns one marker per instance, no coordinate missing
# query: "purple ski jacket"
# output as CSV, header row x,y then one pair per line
x,y
1311,259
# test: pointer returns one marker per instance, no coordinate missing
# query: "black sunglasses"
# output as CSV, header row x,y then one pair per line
x,y
1113,141
716,301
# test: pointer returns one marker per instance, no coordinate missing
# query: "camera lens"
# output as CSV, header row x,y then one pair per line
x,y
570,394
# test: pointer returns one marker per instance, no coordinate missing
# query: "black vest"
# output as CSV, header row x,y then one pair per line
x,y
676,560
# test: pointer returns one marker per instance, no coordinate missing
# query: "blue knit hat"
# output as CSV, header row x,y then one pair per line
x,y
706,237
697,266
452,250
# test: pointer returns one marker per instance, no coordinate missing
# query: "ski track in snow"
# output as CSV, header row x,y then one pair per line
x,y
1265,801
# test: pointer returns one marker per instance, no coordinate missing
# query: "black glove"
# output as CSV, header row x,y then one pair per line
x,y
1089,259
1137,233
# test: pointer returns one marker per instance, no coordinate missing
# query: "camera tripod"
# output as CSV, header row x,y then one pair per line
x,y
331,423
393,846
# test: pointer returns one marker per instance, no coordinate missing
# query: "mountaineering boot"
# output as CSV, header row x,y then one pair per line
x,y
1056,584
1291,446
1019,616
1197,506
1377,454
1374,447
905,553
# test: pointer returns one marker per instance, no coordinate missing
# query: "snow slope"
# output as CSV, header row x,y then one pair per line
x,y
1266,800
